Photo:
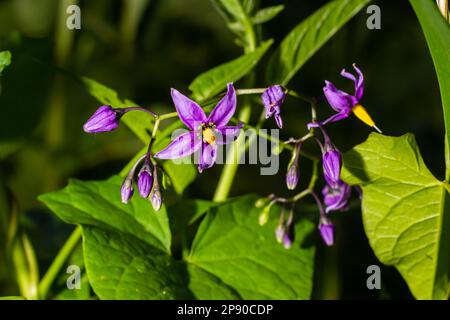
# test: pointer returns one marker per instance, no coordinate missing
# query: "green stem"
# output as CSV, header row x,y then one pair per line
x,y
58,262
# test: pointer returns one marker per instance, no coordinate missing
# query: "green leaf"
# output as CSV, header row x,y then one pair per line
x,y
98,203
437,33
184,213
307,37
5,60
210,83
231,245
267,14
405,211
140,123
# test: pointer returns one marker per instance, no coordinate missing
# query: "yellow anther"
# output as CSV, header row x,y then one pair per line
x,y
209,136
362,115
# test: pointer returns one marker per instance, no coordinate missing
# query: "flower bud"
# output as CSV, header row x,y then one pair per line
x,y
264,216
156,196
331,161
326,229
145,180
104,119
126,190
261,202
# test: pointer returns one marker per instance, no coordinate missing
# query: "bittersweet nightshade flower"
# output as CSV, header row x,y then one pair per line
x,y
293,172
104,119
273,98
336,198
156,196
345,103
205,132
326,229
127,190
145,180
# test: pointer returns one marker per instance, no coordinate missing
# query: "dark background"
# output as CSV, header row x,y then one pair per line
x,y
167,43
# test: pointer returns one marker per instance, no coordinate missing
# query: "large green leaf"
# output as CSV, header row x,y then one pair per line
x,y
405,209
212,82
437,33
126,257
307,37
231,245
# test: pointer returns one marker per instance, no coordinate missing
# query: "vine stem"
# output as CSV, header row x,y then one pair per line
x,y
58,262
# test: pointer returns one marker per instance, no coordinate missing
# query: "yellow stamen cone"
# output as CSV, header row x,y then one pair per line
x,y
364,116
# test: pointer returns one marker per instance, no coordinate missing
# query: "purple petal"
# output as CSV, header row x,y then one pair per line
x,y
278,120
292,177
189,111
104,119
334,118
228,134
359,86
145,181
339,100
180,147
208,156
225,109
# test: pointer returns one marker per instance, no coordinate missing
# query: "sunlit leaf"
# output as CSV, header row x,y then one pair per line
x,y
405,211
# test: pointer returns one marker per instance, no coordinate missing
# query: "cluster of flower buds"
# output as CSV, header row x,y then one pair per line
x,y
107,119
147,183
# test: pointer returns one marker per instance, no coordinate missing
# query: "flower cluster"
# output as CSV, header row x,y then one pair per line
x,y
206,133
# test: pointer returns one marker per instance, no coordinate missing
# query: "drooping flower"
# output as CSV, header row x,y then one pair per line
x,y
293,172
343,103
104,119
145,180
284,232
273,98
326,229
336,198
205,132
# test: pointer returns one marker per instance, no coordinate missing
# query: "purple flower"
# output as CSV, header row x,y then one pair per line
x,y
326,229
273,98
127,190
106,118
343,103
205,132
145,180
336,198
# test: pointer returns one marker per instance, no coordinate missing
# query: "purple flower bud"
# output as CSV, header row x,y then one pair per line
x,y
287,240
332,164
336,198
293,172
289,234
127,189
104,119
273,98
145,180
292,177
279,232
326,229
